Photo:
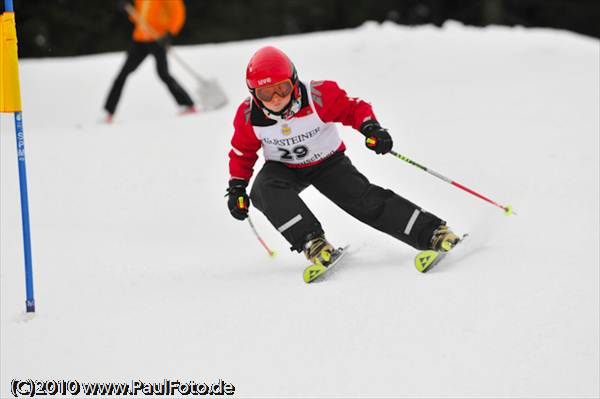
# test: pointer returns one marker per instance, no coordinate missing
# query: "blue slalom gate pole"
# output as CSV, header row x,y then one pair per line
x,y
30,301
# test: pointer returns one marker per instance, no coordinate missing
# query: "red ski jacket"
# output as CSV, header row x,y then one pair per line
x,y
306,138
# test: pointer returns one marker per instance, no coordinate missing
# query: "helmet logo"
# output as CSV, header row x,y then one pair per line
x,y
264,81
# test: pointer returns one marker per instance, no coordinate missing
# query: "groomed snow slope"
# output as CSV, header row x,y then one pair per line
x,y
141,273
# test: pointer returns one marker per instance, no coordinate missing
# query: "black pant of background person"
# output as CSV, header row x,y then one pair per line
x,y
275,192
136,54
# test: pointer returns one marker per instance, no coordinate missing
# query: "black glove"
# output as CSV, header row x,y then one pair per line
x,y
165,40
238,199
376,138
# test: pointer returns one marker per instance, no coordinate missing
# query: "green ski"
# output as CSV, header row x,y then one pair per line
x,y
313,272
426,260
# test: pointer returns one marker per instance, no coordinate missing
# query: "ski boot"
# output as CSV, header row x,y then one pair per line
x,y
443,239
321,254
318,251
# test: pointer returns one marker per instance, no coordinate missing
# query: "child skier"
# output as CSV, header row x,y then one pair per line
x,y
294,123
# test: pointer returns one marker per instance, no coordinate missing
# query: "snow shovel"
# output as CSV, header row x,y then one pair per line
x,y
210,93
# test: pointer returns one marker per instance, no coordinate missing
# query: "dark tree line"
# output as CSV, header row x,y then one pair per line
x,y
49,28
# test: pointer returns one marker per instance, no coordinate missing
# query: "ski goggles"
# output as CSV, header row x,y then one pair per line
x,y
282,89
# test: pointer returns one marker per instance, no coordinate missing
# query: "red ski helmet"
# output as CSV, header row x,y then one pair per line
x,y
268,66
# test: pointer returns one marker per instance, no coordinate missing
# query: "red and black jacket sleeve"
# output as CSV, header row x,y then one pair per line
x,y
245,145
333,105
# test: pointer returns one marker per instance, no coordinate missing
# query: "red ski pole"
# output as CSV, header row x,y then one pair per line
x,y
507,209
263,243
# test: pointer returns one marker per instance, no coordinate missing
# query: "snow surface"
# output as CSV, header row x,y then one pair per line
x,y
141,273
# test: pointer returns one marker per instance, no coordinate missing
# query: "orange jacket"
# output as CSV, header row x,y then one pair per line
x,y
161,15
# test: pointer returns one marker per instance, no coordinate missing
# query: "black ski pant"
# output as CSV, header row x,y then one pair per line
x,y
275,192
136,54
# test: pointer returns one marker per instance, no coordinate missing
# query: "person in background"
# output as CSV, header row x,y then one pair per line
x,y
156,23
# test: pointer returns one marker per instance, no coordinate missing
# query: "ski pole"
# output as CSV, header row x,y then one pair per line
x,y
271,253
507,209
